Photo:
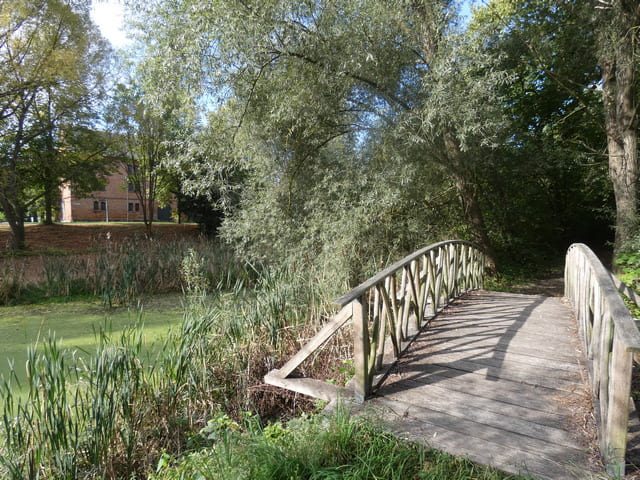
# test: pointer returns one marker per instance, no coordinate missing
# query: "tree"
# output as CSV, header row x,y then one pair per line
x,y
575,82
619,33
303,77
52,72
548,184
144,131
77,156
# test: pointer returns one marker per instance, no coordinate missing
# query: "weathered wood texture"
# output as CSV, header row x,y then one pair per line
x,y
610,339
390,308
499,378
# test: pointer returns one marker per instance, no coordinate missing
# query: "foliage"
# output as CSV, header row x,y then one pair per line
x,y
203,211
548,185
627,261
325,120
313,448
53,67
360,91
114,413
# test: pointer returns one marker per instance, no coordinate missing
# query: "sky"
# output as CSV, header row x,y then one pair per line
x,y
109,16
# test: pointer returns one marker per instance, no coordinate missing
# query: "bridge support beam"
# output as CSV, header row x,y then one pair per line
x,y
361,347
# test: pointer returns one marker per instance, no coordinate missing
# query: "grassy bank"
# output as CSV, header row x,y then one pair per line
x,y
318,447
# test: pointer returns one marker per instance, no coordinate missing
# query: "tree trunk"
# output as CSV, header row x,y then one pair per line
x,y
467,191
147,216
48,205
623,170
621,119
15,218
474,218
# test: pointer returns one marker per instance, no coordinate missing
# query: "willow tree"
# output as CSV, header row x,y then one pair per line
x,y
303,75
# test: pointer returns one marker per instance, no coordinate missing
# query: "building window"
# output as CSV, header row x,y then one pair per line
x,y
103,206
131,207
137,207
95,206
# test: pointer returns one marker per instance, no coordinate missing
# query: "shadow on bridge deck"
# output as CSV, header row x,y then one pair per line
x,y
498,378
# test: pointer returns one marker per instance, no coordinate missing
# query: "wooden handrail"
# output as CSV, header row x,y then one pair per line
x,y
610,338
377,278
626,290
395,304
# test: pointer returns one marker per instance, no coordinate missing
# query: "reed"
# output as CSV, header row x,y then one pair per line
x,y
121,273
112,414
12,281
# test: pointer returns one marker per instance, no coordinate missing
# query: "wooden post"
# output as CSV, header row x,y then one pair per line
x,y
361,348
615,437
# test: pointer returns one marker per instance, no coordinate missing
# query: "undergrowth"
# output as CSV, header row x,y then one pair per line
x,y
118,272
113,414
309,448
511,275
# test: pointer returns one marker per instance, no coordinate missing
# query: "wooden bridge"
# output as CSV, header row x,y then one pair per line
x,y
524,383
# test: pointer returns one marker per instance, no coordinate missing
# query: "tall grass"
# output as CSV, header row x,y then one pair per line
x,y
120,273
113,414
11,280
337,447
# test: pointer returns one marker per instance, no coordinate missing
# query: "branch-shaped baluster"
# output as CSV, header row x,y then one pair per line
x,y
413,299
382,306
390,315
381,314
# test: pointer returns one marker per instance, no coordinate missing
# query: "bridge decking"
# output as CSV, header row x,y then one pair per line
x,y
498,378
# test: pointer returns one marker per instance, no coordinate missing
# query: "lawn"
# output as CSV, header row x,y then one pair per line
x,y
76,323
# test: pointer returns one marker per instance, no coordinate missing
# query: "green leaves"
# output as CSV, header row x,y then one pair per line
x,y
53,67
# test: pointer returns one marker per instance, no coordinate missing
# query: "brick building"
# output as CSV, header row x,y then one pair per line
x,y
116,202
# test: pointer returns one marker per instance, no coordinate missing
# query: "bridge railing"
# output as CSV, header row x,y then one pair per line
x,y
390,306
610,339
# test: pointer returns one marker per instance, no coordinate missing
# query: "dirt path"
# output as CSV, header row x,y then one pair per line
x,y
549,287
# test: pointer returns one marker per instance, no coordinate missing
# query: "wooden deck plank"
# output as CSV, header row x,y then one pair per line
x,y
515,348
478,444
491,379
432,394
485,416
498,389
